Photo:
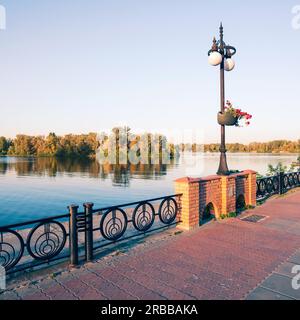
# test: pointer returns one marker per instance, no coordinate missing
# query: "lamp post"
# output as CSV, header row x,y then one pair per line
x,y
221,54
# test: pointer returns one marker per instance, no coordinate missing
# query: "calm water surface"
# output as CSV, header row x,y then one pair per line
x,y
36,188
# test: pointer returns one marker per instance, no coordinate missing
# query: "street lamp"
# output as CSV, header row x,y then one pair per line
x,y
221,54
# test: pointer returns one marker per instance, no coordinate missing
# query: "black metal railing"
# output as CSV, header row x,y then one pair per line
x,y
277,184
109,225
34,243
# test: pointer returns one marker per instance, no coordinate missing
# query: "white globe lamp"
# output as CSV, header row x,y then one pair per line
x,y
229,64
215,58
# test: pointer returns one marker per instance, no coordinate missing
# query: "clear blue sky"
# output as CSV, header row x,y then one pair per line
x,y
85,65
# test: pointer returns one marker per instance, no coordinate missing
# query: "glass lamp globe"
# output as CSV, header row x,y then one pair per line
x,y
229,64
215,58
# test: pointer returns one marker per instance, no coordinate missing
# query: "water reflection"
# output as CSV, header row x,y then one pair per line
x,y
38,188
120,175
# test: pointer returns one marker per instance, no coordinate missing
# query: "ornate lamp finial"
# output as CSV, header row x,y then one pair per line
x,y
221,37
214,46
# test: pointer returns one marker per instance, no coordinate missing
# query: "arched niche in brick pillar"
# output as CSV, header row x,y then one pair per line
x,y
240,202
241,186
209,213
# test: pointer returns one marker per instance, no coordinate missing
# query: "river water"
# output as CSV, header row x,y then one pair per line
x,y
36,188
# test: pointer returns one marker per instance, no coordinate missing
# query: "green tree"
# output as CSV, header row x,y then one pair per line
x,y
4,145
272,170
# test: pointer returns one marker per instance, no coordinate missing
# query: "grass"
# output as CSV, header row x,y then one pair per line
x,y
228,215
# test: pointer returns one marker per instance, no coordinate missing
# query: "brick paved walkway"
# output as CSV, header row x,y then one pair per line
x,y
232,259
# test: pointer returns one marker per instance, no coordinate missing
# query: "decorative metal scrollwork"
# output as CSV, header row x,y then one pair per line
x,y
168,210
269,185
46,240
291,179
257,189
262,187
143,216
285,182
295,178
275,184
11,248
113,224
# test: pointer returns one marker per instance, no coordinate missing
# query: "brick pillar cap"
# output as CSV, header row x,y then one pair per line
x,y
187,180
249,171
212,177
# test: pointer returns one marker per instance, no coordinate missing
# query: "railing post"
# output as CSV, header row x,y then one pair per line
x,y
73,235
281,183
88,207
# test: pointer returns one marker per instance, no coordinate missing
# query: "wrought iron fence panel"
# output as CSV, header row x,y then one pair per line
x,y
30,244
126,221
277,184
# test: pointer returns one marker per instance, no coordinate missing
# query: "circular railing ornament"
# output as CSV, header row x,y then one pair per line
x,y
11,248
270,185
168,210
46,240
275,184
285,182
291,179
113,224
262,187
295,178
143,216
257,189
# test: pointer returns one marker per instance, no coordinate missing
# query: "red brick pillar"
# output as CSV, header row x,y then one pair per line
x,y
252,187
228,187
189,214
211,193
219,191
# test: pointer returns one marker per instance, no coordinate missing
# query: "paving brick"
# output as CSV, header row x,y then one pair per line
x,y
282,285
265,294
105,287
9,295
286,269
295,258
31,293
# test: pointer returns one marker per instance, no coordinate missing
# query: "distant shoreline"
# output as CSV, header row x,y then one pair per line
x,y
186,151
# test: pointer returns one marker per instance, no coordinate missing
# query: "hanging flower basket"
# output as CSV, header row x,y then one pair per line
x,y
227,119
233,117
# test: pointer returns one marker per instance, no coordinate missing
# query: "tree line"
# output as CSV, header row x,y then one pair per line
x,y
276,146
70,145
86,145
120,140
